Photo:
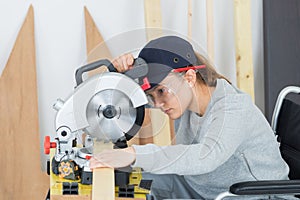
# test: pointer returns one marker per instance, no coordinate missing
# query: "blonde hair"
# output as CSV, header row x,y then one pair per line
x,y
207,75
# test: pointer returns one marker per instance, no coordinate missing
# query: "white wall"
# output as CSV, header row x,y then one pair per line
x,y
60,39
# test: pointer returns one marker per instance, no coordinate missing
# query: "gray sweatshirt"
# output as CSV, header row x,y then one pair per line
x,y
231,142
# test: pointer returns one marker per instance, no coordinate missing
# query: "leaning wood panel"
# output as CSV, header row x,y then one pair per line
x,y
95,45
243,46
21,175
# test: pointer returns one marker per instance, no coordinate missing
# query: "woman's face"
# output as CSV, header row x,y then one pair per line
x,y
173,95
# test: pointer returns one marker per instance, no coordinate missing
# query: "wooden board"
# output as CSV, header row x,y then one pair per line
x,y
145,134
20,173
153,18
243,46
161,128
190,17
210,29
103,178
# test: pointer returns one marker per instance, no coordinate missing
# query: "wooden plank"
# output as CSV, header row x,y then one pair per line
x,y
210,29
172,131
144,136
103,178
161,128
190,17
96,47
146,132
153,18
20,173
243,46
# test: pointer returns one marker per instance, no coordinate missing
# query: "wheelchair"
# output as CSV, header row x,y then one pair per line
x,y
286,126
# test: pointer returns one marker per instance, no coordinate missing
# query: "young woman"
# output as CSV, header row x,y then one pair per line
x,y
223,138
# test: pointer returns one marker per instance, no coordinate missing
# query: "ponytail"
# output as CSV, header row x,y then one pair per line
x,y
207,75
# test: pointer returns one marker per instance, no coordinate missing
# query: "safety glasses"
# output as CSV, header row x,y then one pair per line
x,y
164,91
183,69
159,94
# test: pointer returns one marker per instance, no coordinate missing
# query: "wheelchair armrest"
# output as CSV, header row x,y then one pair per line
x,y
266,187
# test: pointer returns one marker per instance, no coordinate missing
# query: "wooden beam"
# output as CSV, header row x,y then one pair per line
x,y
21,175
190,17
144,136
103,178
210,29
161,128
153,18
243,46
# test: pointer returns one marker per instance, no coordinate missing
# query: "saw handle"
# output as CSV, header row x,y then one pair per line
x,y
92,66
140,69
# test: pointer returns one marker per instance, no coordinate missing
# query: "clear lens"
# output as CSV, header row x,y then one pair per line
x,y
163,91
159,94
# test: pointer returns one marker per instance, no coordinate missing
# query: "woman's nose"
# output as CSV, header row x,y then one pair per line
x,y
158,103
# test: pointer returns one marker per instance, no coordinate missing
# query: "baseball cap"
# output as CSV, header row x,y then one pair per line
x,y
164,54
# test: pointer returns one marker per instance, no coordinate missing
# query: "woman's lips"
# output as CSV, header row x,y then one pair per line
x,y
167,111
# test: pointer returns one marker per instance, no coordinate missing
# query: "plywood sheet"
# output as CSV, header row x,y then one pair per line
x,y
21,175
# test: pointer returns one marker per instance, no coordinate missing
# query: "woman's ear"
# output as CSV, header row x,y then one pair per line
x,y
190,77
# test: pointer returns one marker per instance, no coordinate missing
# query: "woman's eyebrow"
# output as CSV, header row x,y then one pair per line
x,y
152,89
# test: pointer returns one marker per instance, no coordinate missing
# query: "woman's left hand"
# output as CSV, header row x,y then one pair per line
x,y
116,158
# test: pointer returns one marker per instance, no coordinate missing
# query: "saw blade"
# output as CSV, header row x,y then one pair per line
x,y
110,115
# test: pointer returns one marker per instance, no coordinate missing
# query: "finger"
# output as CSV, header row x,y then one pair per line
x,y
130,61
124,62
96,164
117,62
121,67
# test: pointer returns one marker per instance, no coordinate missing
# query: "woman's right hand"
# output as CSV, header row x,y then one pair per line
x,y
123,62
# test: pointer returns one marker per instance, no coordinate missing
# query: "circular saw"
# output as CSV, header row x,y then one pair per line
x,y
107,106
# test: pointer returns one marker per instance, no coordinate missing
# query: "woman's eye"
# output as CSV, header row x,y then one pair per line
x,y
162,91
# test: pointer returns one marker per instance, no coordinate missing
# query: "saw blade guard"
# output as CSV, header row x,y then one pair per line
x,y
108,106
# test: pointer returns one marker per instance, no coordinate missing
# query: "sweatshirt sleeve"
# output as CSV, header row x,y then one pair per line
x,y
224,135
